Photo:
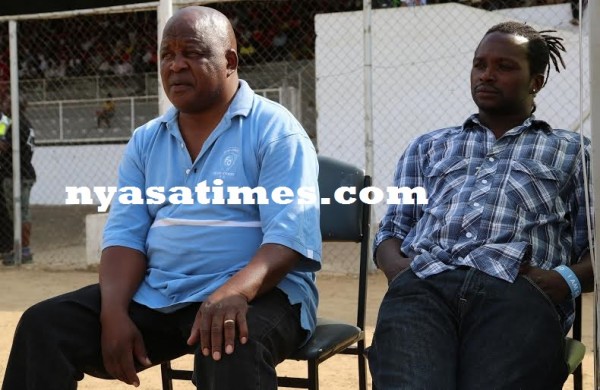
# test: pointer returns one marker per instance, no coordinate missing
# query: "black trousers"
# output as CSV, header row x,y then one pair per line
x,y
58,340
6,225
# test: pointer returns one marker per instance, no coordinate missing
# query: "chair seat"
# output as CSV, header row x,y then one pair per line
x,y
574,353
330,337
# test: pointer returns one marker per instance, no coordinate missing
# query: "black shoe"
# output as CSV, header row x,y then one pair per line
x,y
26,255
8,259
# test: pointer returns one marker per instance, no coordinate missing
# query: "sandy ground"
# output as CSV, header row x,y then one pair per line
x,y
29,284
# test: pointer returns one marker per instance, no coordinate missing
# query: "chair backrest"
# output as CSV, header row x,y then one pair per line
x,y
346,222
341,222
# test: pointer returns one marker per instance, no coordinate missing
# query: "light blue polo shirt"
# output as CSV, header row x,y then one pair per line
x,y
192,249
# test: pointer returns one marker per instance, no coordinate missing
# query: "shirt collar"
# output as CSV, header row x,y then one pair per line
x,y
473,123
240,105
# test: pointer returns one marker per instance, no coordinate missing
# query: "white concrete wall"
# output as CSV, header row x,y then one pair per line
x,y
84,165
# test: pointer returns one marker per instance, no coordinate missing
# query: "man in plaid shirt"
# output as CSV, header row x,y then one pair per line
x,y
482,279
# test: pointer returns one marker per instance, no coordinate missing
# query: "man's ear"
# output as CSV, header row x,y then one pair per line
x,y
232,61
537,83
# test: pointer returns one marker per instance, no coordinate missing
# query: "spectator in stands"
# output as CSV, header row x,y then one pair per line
x,y
42,65
123,67
482,279
387,3
27,141
4,73
247,55
279,47
105,68
105,115
74,67
57,68
232,283
149,59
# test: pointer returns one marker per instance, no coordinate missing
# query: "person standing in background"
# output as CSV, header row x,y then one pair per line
x,y
105,115
28,176
6,230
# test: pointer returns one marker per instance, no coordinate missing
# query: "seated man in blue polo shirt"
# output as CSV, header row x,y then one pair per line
x,y
232,282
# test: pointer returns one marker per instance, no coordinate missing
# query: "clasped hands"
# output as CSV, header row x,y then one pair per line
x,y
549,281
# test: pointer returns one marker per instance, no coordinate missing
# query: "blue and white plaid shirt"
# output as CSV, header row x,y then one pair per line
x,y
492,203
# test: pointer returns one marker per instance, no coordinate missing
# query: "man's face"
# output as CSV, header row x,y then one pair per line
x,y
5,106
193,65
500,78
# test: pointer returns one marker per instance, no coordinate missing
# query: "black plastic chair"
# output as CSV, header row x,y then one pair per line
x,y
339,223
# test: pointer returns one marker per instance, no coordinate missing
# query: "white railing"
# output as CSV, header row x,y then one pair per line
x,y
88,87
74,121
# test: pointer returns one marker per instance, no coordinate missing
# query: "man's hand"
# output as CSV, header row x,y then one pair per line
x,y
121,271
550,281
390,259
392,269
122,345
224,312
216,323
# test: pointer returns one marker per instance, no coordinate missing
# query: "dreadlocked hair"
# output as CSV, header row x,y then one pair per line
x,y
541,48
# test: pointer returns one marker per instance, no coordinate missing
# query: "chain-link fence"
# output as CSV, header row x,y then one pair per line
x,y
90,79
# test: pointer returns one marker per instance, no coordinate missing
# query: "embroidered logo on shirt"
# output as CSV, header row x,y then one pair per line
x,y
228,162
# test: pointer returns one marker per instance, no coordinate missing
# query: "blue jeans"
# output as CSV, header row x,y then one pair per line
x,y
58,340
464,329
